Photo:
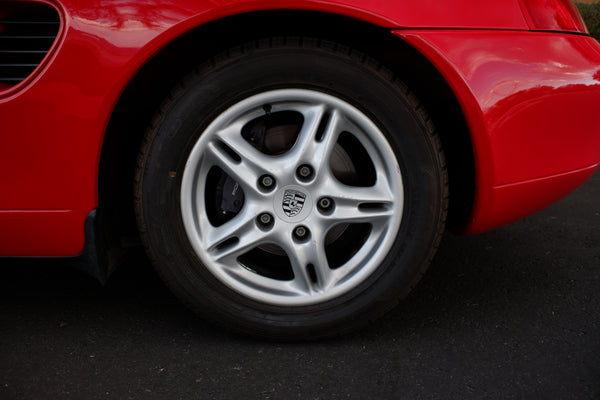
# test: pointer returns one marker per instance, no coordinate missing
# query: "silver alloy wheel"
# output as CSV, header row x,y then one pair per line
x,y
308,209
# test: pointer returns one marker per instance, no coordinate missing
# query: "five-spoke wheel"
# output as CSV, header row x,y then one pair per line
x,y
312,225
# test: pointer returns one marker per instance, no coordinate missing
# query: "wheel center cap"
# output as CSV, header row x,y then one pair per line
x,y
292,204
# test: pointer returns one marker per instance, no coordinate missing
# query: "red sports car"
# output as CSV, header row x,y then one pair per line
x,y
290,165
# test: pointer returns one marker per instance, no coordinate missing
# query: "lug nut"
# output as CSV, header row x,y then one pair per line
x,y
265,220
304,172
301,233
325,203
266,181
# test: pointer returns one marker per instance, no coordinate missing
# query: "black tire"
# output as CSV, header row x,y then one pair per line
x,y
330,74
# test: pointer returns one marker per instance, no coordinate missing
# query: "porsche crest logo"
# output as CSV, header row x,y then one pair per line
x,y
293,201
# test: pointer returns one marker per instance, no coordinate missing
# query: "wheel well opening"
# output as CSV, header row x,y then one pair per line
x,y
153,83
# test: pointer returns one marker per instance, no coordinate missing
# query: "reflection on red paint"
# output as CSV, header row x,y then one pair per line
x,y
531,104
554,15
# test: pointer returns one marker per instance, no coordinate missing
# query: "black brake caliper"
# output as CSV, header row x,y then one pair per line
x,y
229,198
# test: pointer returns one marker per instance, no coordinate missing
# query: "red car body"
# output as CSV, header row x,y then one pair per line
x,y
527,91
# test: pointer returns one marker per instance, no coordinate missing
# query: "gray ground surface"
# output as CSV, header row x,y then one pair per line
x,y
512,313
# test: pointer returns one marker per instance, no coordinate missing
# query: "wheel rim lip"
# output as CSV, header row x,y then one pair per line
x,y
258,287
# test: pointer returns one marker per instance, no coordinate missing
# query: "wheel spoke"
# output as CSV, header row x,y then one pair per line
x,y
237,226
350,214
299,261
232,138
306,138
312,273
361,204
323,150
234,238
228,254
314,147
238,170
326,277
381,192
238,158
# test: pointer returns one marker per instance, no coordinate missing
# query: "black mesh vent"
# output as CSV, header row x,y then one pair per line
x,y
27,31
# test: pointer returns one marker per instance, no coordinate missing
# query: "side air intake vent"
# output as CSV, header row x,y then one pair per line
x,y
27,32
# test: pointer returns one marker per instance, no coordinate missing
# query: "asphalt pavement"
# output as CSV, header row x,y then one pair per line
x,y
509,314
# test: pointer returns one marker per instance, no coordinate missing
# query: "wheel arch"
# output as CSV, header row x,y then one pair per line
x,y
155,79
